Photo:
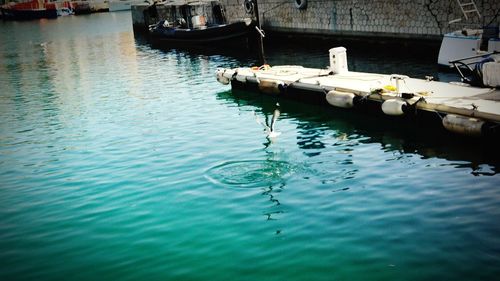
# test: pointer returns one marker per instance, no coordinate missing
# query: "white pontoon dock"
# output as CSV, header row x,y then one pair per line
x,y
460,108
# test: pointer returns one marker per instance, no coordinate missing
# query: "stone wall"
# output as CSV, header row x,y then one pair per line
x,y
418,19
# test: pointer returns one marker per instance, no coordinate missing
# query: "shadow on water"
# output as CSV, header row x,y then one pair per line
x,y
417,59
247,55
367,128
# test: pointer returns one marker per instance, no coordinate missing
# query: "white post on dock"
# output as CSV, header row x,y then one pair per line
x,y
338,60
398,79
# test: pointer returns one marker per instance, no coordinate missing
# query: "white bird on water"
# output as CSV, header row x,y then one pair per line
x,y
270,129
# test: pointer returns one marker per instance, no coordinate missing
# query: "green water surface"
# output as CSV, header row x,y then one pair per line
x,y
119,161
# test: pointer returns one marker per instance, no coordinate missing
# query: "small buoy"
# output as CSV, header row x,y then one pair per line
x,y
340,99
301,4
221,78
463,125
269,86
394,107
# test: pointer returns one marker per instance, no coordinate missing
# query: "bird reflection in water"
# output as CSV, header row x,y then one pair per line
x,y
271,214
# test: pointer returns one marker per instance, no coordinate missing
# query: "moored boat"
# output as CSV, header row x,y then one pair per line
x,y
179,34
64,8
473,42
81,7
195,23
65,12
34,9
468,45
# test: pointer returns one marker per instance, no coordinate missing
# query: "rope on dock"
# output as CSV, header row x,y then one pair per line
x,y
314,76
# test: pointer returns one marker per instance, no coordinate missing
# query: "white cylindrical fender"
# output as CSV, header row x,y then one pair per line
x,y
340,99
394,107
221,78
270,86
463,125
228,73
241,78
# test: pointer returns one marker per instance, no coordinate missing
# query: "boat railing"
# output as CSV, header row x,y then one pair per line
x,y
485,54
468,70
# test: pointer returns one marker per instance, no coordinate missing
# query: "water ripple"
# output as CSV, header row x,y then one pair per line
x,y
250,173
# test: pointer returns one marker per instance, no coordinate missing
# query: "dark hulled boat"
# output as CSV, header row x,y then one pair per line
x,y
15,14
236,32
196,23
28,11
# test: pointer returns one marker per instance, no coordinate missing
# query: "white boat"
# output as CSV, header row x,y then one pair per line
x,y
122,5
468,43
64,11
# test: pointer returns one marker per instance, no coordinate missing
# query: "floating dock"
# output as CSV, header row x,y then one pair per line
x,y
457,107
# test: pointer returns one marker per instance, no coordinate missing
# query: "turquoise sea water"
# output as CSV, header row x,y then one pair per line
x,y
123,162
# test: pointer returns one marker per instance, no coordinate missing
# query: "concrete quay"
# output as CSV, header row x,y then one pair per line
x,y
423,19
404,19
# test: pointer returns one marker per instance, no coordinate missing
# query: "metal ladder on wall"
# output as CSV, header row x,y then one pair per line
x,y
468,8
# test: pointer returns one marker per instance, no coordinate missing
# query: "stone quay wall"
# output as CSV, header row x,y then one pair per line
x,y
415,19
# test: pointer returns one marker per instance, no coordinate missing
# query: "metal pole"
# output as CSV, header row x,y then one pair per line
x,y
260,39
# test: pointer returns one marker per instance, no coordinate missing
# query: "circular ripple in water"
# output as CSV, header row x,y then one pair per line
x,y
250,173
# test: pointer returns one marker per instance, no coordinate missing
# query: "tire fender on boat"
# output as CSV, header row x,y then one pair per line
x,y
340,99
394,107
301,4
463,125
248,4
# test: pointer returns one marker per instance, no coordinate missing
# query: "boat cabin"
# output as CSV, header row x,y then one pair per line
x,y
186,14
